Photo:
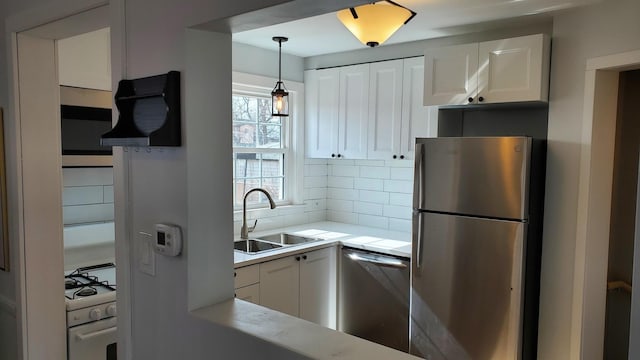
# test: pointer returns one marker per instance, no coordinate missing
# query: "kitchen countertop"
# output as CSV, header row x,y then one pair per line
x,y
332,233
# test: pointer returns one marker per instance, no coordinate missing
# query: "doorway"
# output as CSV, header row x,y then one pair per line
x,y
36,107
595,203
623,219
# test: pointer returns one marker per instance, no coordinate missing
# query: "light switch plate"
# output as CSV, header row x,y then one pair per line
x,y
146,255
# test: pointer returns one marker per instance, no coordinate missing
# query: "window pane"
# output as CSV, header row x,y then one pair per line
x,y
275,186
269,136
244,135
272,165
246,165
244,185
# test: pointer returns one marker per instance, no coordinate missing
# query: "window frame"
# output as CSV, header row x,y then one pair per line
x,y
292,134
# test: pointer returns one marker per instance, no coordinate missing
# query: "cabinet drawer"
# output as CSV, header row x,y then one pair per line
x,y
249,293
246,276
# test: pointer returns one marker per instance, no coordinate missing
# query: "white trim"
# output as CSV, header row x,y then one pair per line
x,y
294,132
594,202
7,306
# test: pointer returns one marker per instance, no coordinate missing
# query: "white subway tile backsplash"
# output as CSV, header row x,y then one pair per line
x,y
399,186
296,219
398,212
343,217
400,225
374,172
400,199
373,221
340,182
378,197
370,162
400,163
78,214
339,205
341,162
369,184
317,216
82,195
316,205
367,208
315,193
108,193
401,173
315,170
343,170
309,161
342,194
315,182
87,176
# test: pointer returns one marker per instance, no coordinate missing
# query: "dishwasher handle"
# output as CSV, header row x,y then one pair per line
x,y
377,260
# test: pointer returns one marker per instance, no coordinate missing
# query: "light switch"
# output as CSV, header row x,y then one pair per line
x,y
146,255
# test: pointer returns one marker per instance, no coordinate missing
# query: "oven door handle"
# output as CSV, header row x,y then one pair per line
x,y
83,337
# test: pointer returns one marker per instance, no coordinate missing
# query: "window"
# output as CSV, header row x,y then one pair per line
x,y
260,150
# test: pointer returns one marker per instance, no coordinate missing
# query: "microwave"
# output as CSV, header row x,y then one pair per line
x,y
85,114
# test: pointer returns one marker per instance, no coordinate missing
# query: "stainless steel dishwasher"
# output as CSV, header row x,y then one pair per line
x,y
374,297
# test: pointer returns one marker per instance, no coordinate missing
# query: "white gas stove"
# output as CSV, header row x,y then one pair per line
x,y
90,294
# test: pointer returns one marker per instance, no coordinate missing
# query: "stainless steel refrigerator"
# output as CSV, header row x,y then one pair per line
x,y
477,226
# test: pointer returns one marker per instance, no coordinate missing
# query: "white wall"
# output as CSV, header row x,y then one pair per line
x,y
606,28
257,61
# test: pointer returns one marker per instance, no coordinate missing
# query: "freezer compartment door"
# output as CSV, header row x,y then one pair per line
x,y
484,176
466,294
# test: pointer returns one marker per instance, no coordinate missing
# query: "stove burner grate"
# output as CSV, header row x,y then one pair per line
x,y
86,291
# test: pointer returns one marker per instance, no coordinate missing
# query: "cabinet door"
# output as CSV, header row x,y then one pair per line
x,y
450,74
514,69
417,120
354,107
279,285
385,109
322,92
318,284
249,293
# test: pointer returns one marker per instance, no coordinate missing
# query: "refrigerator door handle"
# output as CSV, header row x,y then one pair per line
x,y
417,176
417,203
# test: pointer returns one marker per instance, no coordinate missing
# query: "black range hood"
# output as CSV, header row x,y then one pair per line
x,y
149,112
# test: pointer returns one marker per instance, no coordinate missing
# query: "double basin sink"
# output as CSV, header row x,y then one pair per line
x,y
270,242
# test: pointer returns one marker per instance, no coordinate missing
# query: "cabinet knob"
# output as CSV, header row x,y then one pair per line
x,y
297,258
304,257
333,155
481,99
339,155
235,274
394,156
470,99
401,156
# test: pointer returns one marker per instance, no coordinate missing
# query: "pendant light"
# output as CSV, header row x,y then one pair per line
x,y
280,95
374,23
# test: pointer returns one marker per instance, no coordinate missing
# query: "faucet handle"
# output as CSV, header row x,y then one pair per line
x,y
251,228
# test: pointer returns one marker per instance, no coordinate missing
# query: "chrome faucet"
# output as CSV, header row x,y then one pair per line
x,y
244,232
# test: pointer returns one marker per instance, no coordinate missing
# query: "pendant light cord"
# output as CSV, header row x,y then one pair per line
x,y
279,62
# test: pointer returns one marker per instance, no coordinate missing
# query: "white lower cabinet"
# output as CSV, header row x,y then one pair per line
x,y
249,293
302,285
247,283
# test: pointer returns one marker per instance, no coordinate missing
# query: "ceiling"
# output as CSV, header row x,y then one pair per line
x,y
324,34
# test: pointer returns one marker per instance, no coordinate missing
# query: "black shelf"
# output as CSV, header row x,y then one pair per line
x,y
149,112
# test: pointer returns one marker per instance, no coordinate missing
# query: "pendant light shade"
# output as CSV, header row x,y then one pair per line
x,y
374,23
280,95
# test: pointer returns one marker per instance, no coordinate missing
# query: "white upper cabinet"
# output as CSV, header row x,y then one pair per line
x,y
385,109
354,109
450,75
396,113
337,105
508,70
417,120
514,69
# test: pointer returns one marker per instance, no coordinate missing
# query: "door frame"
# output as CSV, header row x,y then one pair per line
x,y
27,272
594,201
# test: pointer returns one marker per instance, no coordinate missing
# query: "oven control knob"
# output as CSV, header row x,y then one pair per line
x,y
111,310
95,314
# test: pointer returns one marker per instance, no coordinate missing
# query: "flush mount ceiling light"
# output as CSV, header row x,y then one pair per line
x,y
279,95
374,23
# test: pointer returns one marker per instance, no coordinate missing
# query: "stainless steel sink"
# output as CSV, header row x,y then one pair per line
x,y
253,246
287,239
